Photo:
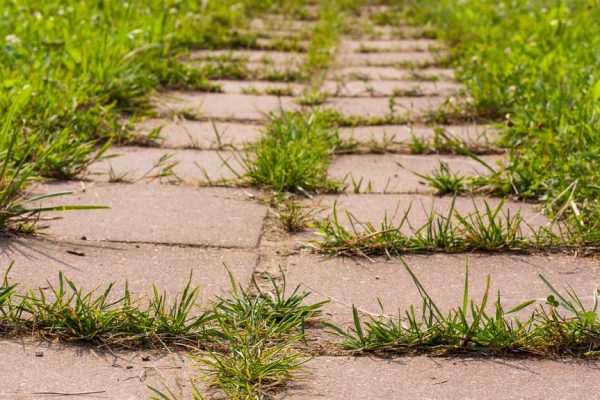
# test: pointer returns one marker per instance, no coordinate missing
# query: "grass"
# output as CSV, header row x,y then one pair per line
x,y
486,228
293,154
246,340
561,327
533,65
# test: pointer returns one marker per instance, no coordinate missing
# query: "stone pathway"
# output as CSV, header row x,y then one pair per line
x,y
158,230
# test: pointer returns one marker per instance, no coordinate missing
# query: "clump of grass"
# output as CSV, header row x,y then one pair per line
x,y
293,154
292,215
487,229
444,181
258,334
472,328
313,98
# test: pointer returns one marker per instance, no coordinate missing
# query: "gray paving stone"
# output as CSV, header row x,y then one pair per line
x,y
223,106
139,164
361,282
369,107
389,73
387,45
365,378
37,263
385,58
404,133
201,134
395,173
387,88
375,208
157,214
46,371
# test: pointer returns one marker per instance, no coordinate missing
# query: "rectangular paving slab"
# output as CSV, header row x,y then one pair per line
x,y
482,134
200,134
37,262
363,282
251,56
366,378
388,88
375,208
365,45
415,59
390,73
46,371
396,173
139,164
261,87
223,106
369,107
157,214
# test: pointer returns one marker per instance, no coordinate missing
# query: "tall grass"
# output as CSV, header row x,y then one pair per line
x,y
535,65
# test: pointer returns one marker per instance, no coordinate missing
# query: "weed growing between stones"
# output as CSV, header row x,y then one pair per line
x,y
245,341
487,229
293,154
562,326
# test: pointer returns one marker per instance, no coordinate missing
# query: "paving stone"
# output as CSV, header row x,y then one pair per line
x,y
366,378
271,39
157,214
395,173
404,133
252,56
361,282
223,106
261,87
200,134
390,73
387,88
387,45
37,262
139,164
385,58
374,208
46,371
369,107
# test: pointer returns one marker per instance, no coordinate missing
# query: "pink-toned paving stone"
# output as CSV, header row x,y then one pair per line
x,y
385,59
37,263
369,107
397,173
48,371
404,133
132,164
223,106
376,208
261,87
157,214
363,282
387,45
376,88
252,56
389,73
367,378
200,134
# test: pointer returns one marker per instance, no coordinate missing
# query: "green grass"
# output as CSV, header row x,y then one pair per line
x,y
486,228
534,65
561,327
293,154
245,340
